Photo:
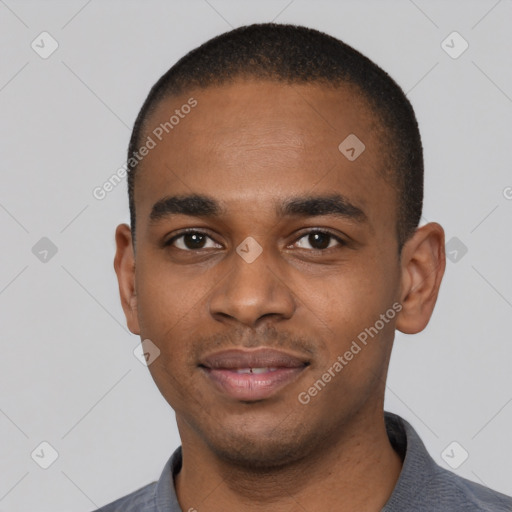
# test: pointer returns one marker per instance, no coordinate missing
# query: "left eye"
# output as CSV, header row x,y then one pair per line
x,y
318,240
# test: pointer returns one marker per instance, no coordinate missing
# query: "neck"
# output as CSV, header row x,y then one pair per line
x,y
356,470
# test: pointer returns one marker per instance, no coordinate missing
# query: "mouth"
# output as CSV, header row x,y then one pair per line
x,y
252,375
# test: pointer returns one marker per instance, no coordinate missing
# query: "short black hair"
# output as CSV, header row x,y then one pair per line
x,y
295,54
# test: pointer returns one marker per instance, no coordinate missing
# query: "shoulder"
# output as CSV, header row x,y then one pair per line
x,y
141,500
153,497
425,486
461,494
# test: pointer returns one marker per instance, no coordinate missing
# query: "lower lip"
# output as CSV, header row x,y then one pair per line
x,y
252,386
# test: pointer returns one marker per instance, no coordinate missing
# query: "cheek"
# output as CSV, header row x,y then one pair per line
x,y
347,307
167,297
168,317
169,310
352,294
357,350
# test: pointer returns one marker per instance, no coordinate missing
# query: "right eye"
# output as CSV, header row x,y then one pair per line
x,y
191,240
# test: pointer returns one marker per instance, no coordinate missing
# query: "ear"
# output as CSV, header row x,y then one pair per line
x,y
124,265
423,262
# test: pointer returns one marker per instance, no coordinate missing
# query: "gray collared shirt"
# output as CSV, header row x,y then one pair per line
x,y
423,486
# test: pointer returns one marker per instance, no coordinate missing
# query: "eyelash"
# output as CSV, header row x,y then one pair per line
x,y
340,241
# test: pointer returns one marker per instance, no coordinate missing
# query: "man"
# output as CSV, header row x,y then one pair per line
x,y
276,187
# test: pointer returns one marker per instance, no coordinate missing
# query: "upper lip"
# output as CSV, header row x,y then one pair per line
x,y
258,358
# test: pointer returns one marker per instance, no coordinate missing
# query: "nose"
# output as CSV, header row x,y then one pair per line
x,y
253,291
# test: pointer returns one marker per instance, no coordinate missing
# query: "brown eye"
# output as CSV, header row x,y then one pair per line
x,y
192,241
318,240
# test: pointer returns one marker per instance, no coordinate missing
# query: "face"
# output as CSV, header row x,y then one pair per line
x,y
321,265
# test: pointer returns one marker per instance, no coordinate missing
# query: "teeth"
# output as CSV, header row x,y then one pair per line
x,y
255,370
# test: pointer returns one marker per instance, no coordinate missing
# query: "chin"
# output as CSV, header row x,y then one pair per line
x,y
265,448
260,455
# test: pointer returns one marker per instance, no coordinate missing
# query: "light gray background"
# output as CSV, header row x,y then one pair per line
x,y
68,373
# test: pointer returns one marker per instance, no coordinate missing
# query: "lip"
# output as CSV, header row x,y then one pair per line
x,y
255,358
281,368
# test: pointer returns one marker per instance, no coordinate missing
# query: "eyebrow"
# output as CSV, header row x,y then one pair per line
x,y
196,205
334,204
193,205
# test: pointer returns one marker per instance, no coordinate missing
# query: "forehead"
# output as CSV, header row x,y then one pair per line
x,y
247,141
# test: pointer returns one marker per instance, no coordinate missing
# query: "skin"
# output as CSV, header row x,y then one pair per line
x,y
250,145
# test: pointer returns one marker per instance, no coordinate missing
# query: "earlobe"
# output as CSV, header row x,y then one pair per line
x,y
423,264
124,265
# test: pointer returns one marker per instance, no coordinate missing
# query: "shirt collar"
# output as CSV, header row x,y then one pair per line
x,y
418,466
